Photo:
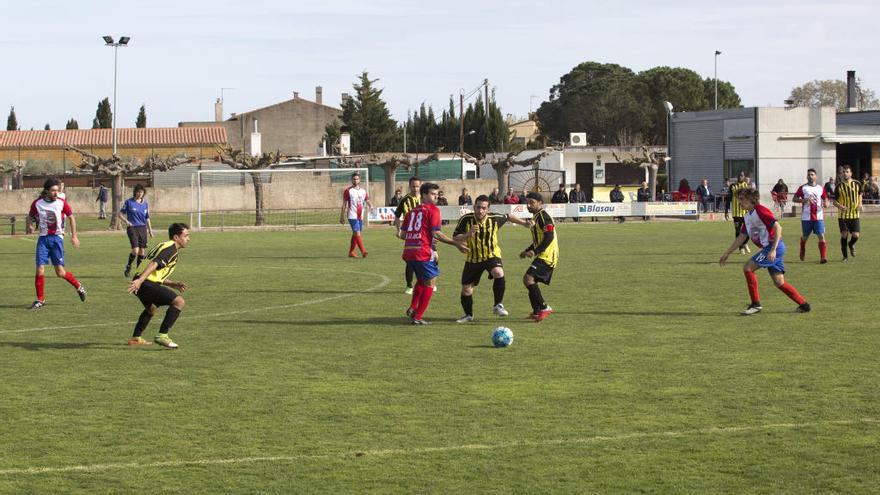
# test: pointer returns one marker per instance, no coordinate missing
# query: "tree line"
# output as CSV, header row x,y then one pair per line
x,y
103,118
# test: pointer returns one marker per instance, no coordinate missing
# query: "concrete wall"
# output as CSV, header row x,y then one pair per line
x,y
789,142
302,191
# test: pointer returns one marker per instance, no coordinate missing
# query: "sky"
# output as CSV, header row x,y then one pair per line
x,y
183,52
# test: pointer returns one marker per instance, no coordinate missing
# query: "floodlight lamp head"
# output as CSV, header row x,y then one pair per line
x,y
124,40
668,106
717,52
108,39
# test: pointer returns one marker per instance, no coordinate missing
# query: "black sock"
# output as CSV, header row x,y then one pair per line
x,y
139,259
535,298
843,247
143,321
170,317
130,259
410,273
853,241
467,304
498,289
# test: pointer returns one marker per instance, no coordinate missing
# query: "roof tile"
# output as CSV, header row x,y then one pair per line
x,y
126,138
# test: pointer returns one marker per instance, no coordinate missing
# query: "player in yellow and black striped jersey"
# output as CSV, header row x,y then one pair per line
x,y
410,201
737,211
545,251
151,283
848,200
480,229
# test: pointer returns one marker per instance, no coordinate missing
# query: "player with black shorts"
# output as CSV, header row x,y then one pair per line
x,y
480,229
545,251
151,286
848,200
136,214
737,211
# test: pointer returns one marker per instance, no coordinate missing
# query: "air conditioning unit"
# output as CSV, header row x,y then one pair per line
x,y
577,138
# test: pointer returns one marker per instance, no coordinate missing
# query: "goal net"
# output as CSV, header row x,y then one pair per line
x,y
271,197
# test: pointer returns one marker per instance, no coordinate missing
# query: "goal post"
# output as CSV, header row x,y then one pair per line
x,y
272,198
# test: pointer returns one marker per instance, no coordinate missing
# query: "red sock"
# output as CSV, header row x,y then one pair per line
x,y
416,297
424,299
752,282
352,245
39,282
823,250
792,293
360,243
803,248
71,280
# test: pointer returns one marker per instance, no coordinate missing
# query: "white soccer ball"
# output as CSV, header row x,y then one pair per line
x,y
502,337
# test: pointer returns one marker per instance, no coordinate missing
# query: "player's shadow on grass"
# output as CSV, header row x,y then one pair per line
x,y
354,322
46,346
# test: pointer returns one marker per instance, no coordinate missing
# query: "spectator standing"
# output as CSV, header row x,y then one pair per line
x,y
643,195
704,192
576,195
102,201
395,200
617,197
495,198
511,198
441,199
465,198
830,187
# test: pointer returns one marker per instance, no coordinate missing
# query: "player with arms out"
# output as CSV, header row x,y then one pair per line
x,y
151,286
353,200
814,200
410,201
763,229
421,227
136,214
848,200
545,251
49,212
480,230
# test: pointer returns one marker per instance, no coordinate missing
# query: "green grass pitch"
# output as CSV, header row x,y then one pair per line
x,y
297,372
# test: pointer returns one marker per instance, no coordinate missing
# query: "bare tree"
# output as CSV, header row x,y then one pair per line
x,y
649,160
117,168
15,168
502,166
240,160
389,162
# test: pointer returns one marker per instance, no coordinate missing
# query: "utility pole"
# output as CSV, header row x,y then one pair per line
x,y
461,124
716,78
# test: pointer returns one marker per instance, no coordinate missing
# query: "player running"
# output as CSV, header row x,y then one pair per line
x,y
737,211
49,212
353,200
763,229
480,230
410,201
135,213
151,283
848,200
814,200
545,251
421,226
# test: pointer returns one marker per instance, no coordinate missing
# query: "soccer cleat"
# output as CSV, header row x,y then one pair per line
x,y
435,288
499,310
742,251
81,292
752,309
364,254
823,261
803,308
165,341
127,271
803,253
38,304
852,251
408,290
421,322
465,319
543,314
748,249
351,254
138,341
845,260
410,312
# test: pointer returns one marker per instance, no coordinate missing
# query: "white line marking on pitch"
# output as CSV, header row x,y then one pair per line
x,y
385,281
89,468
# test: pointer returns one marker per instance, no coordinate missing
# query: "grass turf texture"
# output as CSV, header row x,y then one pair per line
x,y
644,380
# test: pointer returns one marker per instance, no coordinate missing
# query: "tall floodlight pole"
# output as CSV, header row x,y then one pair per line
x,y
669,108
108,41
716,78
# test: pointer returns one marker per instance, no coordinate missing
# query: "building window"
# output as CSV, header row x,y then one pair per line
x,y
732,168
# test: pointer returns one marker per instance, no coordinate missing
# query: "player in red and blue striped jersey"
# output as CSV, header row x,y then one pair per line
x,y
761,226
419,230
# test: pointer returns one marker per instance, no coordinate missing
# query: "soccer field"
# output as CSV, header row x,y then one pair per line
x,y
297,371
